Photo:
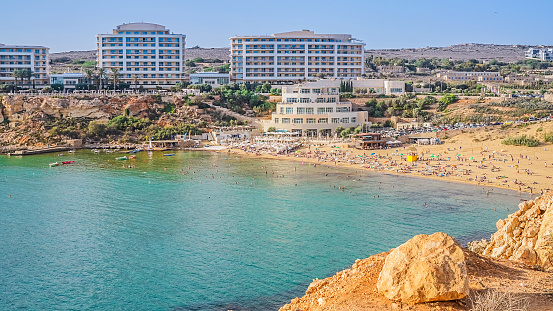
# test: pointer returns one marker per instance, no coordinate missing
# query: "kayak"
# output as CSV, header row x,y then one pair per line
x,y
121,158
54,164
67,162
169,155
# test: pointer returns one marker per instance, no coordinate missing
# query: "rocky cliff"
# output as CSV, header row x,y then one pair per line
x,y
525,236
19,107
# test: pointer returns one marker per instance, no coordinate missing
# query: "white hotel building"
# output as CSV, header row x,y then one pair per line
x,y
297,55
21,57
143,51
310,109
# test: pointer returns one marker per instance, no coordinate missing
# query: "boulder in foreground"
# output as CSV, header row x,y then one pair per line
x,y
426,268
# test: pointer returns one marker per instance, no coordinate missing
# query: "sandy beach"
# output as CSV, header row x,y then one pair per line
x,y
477,158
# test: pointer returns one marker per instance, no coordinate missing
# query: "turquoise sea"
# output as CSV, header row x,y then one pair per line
x,y
207,231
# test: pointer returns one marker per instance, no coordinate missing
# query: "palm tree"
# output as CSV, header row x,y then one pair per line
x,y
115,74
101,74
17,74
135,78
89,74
27,74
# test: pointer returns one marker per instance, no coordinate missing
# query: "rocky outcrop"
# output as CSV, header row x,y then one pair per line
x,y
424,269
525,236
20,107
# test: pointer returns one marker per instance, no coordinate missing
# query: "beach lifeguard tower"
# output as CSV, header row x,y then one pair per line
x,y
412,156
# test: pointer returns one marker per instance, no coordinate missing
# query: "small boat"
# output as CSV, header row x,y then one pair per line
x,y
95,150
121,158
168,154
60,155
54,164
67,162
71,151
134,151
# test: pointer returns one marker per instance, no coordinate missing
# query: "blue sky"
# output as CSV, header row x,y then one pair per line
x,y
65,25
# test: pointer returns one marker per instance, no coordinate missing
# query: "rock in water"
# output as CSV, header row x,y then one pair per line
x,y
424,269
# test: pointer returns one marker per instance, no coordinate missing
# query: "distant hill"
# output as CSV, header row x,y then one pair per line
x,y
506,53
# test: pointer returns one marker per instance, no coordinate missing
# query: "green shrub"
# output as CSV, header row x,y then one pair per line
x,y
523,140
445,101
548,137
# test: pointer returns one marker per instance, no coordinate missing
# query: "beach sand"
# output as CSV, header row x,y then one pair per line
x,y
477,158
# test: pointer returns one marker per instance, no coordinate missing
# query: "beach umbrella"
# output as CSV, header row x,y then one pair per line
x,y
458,154
373,153
471,158
401,154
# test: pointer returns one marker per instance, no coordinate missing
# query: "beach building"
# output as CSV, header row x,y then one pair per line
x,y
69,80
297,55
369,141
311,110
541,54
462,76
22,57
214,79
143,52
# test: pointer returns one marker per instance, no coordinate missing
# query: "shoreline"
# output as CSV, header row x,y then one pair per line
x,y
376,171
302,156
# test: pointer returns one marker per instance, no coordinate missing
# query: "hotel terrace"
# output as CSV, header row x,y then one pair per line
x,y
21,57
293,56
146,53
311,110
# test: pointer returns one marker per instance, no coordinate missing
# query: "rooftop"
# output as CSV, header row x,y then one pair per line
x,y
23,46
141,26
305,34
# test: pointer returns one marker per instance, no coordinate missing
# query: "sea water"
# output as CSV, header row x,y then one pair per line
x,y
207,231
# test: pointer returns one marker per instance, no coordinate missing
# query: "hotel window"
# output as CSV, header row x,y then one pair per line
x,y
305,91
305,100
300,110
310,120
298,120
335,120
285,120
345,120
320,111
276,120
289,110
329,109
323,120
309,110
353,119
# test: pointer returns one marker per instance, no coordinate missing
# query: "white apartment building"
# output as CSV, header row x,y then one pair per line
x,y
296,55
541,54
462,76
313,110
147,52
21,57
